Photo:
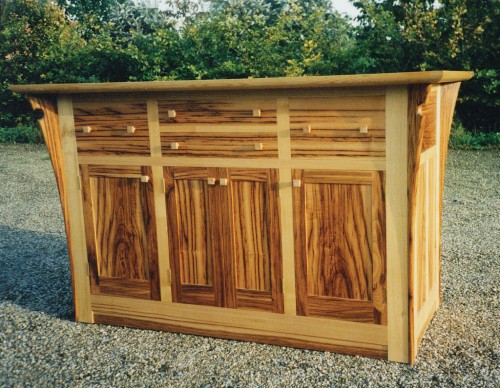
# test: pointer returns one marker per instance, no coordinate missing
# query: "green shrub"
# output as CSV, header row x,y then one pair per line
x,y
22,134
461,139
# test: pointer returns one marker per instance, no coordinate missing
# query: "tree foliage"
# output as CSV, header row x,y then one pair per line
x,y
43,41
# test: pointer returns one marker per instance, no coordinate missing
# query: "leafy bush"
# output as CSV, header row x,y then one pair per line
x,y
461,139
22,134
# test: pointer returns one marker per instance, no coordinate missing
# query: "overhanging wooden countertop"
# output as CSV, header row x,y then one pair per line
x,y
335,81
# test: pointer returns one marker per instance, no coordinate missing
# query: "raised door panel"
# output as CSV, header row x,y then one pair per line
x,y
339,236
256,239
120,230
195,267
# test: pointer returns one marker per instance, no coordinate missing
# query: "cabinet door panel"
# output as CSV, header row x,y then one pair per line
x,y
256,238
339,223
191,236
120,231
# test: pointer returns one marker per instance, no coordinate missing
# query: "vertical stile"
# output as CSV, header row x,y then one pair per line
x,y
75,209
397,222
159,202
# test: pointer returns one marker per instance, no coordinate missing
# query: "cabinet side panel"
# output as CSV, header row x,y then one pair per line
x,y
51,130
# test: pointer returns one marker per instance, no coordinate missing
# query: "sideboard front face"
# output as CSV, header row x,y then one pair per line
x,y
269,215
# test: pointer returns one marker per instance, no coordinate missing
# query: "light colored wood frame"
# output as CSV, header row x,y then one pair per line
x,y
398,341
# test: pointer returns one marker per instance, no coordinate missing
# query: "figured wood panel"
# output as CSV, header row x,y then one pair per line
x,y
251,235
335,124
109,121
217,112
220,144
120,232
195,268
256,238
339,223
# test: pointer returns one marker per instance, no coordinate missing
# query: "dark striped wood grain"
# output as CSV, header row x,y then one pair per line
x,y
120,232
340,261
225,238
335,126
109,123
217,111
223,145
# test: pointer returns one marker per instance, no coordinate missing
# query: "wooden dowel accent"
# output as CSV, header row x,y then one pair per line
x,y
258,146
87,129
144,178
257,113
296,183
223,181
171,113
363,128
174,146
211,181
306,129
420,111
130,129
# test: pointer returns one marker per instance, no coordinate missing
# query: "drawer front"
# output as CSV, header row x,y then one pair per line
x,y
111,128
338,126
223,145
217,112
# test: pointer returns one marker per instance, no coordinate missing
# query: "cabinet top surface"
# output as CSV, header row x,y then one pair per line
x,y
335,81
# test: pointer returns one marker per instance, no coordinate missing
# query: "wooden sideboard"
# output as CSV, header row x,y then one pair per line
x,y
301,212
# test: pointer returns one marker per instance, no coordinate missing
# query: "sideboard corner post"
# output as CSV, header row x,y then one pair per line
x,y
75,228
397,223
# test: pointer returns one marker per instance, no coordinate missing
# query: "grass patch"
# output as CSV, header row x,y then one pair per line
x,y
21,134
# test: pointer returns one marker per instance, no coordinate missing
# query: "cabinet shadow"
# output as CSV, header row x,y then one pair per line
x,y
34,271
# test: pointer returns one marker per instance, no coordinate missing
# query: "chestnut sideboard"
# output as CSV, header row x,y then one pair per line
x,y
293,211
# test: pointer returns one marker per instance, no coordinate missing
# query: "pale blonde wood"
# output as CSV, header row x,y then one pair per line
x,y
154,127
239,320
254,83
86,129
162,231
306,129
130,129
335,163
363,128
397,223
286,207
75,208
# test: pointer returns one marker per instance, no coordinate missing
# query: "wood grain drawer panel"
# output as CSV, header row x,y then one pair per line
x,y
237,145
108,123
217,111
333,126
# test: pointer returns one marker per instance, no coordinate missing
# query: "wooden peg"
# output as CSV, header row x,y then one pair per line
x,y
171,113
306,129
258,146
420,111
363,128
87,129
211,181
223,181
257,113
174,146
130,129
144,179
296,183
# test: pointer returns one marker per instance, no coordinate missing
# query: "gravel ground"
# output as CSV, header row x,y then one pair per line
x,y
40,344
